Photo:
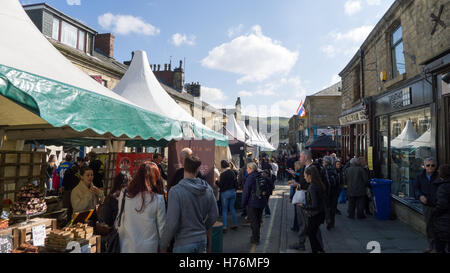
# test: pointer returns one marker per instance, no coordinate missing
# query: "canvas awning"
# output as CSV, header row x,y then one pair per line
x,y
140,86
233,128
322,142
53,93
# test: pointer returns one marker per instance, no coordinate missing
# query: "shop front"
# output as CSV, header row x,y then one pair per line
x,y
355,132
406,125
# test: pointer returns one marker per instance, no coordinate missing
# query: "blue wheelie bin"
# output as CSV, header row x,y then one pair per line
x,y
382,194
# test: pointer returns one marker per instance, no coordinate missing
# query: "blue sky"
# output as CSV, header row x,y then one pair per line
x,y
270,53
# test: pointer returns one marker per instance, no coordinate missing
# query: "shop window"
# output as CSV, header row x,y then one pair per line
x,y
397,54
408,149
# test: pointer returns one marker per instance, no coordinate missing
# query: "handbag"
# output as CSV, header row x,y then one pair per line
x,y
299,197
112,240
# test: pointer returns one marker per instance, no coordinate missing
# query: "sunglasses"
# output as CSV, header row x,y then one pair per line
x,y
430,165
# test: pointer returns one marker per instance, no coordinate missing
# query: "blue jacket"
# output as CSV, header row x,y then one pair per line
x,y
427,188
247,197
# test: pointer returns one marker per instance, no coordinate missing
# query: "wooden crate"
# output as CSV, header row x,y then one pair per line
x,y
18,168
95,243
23,233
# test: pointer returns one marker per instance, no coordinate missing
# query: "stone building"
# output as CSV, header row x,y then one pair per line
x,y
296,132
395,98
93,53
321,117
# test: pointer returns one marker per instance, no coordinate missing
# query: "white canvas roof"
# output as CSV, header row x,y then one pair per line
x,y
406,136
140,86
24,47
234,129
423,141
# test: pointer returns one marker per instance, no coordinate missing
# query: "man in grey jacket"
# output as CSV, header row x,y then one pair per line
x,y
191,213
357,181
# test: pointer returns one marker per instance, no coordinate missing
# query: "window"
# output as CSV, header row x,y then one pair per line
x,y
105,83
398,57
81,40
411,142
203,121
55,31
69,35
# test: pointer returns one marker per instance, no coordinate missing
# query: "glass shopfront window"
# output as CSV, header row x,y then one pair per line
x,y
410,144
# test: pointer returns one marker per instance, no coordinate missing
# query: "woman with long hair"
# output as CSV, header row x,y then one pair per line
x,y
314,207
144,213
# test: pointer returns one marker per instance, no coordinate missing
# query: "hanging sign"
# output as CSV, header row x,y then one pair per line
x,y
38,235
370,157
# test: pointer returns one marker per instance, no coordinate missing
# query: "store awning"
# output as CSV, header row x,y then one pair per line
x,y
52,91
322,142
140,86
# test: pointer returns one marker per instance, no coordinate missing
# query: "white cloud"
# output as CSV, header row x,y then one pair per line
x,y
179,39
357,35
73,2
244,93
234,31
352,7
329,50
126,24
373,2
212,95
253,56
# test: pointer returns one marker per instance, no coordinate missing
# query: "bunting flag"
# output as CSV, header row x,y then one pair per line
x,y
301,110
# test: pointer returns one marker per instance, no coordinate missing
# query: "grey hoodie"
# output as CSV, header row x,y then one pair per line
x,y
192,210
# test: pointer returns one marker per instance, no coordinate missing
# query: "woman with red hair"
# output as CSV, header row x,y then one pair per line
x,y
144,213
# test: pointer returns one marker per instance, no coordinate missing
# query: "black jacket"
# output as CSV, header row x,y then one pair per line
x,y
423,187
356,180
227,181
161,171
441,213
97,167
315,201
110,210
70,180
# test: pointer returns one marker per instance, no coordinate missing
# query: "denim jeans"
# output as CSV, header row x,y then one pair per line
x,y
198,247
228,199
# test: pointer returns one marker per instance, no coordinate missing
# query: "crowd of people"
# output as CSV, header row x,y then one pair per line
x,y
153,213
325,180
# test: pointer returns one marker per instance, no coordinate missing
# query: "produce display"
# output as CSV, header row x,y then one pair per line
x,y
30,200
26,248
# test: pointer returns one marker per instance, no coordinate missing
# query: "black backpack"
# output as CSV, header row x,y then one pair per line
x,y
112,240
262,187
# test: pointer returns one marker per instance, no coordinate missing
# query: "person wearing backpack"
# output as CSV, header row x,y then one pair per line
x,y
254,198
332,180
271,186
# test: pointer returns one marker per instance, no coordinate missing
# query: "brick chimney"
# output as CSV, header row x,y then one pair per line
x,y
105,43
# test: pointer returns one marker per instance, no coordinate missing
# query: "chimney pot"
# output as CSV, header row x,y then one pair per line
x,y
159,67
165,67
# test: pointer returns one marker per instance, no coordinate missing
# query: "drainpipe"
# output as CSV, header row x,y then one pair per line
x,y
361,61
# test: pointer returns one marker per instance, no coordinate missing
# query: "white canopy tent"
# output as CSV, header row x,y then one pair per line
x,y
140,86
406,137
249,141
55,99
266,142
424,141
234,129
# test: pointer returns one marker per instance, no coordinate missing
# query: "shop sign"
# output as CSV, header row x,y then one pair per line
x,y
128,163
353,117
401,98
38,235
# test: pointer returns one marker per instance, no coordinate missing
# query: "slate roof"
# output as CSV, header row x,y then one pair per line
x,y
334,90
